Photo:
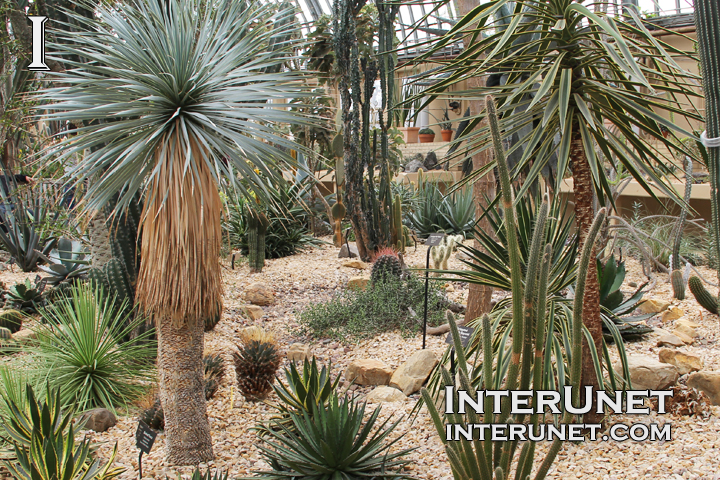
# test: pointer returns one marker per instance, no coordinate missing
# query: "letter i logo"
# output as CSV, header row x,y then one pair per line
x,y
38,43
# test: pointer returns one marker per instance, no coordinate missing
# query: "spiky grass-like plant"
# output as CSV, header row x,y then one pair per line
x,y
81,353
187,85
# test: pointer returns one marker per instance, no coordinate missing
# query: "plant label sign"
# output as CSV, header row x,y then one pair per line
x,y
434,239
145,437
465,334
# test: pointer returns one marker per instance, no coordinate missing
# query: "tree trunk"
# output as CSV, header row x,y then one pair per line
x,y
584,215
479,296
180,371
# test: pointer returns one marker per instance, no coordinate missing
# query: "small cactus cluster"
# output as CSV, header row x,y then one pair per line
x,y
441,253
387,264
214,368
258,224
706,299
257,360
12,320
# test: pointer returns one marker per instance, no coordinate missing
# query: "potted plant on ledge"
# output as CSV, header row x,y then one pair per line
x,y
427,135
446,127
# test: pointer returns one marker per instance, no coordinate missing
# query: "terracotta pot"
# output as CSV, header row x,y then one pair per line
x,y
411,134
446,135
427,138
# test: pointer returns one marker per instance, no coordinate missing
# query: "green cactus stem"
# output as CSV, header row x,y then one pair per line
x,y
676,276
257,227
706,299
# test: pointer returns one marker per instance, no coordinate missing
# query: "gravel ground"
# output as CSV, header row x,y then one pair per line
x,y
693,453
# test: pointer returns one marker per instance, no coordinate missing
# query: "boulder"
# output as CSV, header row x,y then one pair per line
x,y
412,374
707,382
368,371
687,327
414,165
253,311
672,313
383,394
653,305
350,251
298,352
24,336
431,161
683,361
359,264
358,283
646,373
667,338
686,339
259,294
98,420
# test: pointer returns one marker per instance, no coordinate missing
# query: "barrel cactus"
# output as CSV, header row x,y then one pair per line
x,y
386,266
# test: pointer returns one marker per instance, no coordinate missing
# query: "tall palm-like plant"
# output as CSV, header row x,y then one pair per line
x,y
186,86
577,91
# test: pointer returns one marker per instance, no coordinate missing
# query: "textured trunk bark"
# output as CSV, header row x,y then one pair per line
x,y
584,215
479,296
99,235
180,371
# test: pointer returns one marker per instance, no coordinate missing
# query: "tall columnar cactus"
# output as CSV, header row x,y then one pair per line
x,y
676,275
480,459
257,227
706,299
338,210
707,13
397,235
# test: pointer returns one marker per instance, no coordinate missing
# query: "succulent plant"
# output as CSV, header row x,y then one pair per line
x,y
154,417
256,362
12,320
706,299
208,475
25,296
386,265
440,256
68,266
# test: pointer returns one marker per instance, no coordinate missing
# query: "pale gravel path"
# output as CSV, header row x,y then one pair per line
x,y
694,452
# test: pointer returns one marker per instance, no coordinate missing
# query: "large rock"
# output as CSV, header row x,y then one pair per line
x,y
348,252
253,311
683,361
667,338
653,305
358,283
368,371
646,373
24,336
412,374
358,264
98,420
298,352
413,166
383,394
672,313
431,161
687,327
707,382
259,294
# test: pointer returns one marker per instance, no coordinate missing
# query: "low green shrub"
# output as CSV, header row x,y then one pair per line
x,y
388,304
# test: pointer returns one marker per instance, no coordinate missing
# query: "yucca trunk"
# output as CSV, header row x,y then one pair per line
x,y
584,216
479,296
179,285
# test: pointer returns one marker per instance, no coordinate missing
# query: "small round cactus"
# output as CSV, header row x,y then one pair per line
x,y
386,265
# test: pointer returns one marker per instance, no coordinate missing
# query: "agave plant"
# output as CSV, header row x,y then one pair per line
x,y
80,351
27,228
208,475
43,438
25,296
615,306
68,266
333,441
304,390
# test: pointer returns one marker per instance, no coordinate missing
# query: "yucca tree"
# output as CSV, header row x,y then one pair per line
x,y
184,87
578,92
